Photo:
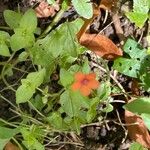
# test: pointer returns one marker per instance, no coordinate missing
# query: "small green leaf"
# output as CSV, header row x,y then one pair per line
x,y
141,6
29,86
138,18
91,113
131,66
137,146
12,18
66,78
51,2
108,108
37,102
84,8
30,141
5,135
146,119
4,51
21,39
139,106
23,56
56,121
140,12
29,21
86,68
127,67
4,38
104,91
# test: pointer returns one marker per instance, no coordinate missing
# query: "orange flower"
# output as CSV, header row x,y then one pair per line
x,y
85,83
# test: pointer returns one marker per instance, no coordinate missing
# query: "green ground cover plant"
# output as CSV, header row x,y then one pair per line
x,y
80,93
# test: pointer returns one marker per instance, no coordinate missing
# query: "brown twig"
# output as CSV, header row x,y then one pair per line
x,y
118,28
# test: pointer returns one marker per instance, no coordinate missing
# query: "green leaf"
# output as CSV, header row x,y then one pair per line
x,y
72,102
91,113
56,121
37,102
75,124
12,18
138,18
136,146
56,42
86,68
29,21
140,12
144,73
30,141
108,108
29,86
104,91
139,106
40,56
141,6
23,56
4,51
5,135
131,66
51,2
4,38
146,119
21,39
84,8
66,78
127,67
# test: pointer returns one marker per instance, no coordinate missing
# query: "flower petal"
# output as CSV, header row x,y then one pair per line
x,y
93,84
76,86
91,76
79,76
85,90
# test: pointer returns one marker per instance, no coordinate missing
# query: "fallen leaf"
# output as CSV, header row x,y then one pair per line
x,y
44,10
11,146
101,45
137,132
135,89
108,4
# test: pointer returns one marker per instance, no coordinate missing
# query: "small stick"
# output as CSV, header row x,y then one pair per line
x,y
119,30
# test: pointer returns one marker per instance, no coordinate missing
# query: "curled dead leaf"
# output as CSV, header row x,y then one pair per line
x,y
101,45
45,10
137,132
11,146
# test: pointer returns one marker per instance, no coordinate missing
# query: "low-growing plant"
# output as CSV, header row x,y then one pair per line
x,y
78,95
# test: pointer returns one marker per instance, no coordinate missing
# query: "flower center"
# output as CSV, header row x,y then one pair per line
x,y
84,81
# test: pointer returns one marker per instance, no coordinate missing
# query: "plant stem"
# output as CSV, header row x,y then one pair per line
x,y
55,20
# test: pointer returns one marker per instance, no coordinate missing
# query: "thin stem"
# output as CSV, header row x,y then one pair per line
x,y
5,99
8,123
55,20
5,28
36,109
20,147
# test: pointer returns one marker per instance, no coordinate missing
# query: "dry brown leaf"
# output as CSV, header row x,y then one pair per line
x,y
11,146
138,132
101,45
45,10
108,4
135,89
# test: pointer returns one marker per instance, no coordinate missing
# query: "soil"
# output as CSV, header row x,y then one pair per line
x,y
108,134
